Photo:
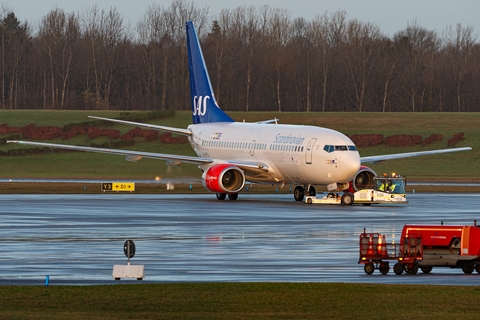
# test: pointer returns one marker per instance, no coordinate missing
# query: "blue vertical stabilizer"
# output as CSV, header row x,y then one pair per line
x,y
204,105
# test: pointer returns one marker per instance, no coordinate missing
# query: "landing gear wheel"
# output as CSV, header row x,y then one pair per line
x,y
412,269
426,269
468,268
347,199
299,193
331,195
221,196
398,268
232,196
311,191
384,267
369,268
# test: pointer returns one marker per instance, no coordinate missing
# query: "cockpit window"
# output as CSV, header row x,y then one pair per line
x,y
330,148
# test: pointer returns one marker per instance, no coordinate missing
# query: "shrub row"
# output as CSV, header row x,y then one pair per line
x,y
167,138
432,138
148,135
401,140
32,132
367,140
456,137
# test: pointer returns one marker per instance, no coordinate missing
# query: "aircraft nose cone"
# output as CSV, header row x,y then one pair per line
x,y
350,165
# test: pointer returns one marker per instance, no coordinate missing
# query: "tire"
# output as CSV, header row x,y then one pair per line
x,y
309,200
331,195
299,193
477,268
232,196
398,268
312,192
347,199
426,269
369,268
468,268
412,269
221,196
384,267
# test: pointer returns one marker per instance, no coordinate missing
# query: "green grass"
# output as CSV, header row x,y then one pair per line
x,y
240,301
452,167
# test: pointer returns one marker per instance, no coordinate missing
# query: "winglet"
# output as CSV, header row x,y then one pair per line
x,y
204,105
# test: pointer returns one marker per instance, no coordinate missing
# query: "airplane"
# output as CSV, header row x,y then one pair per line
x,y
230,153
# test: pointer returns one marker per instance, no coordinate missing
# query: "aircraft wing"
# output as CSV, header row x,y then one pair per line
x,y
172,159
130,155
383,158
185,132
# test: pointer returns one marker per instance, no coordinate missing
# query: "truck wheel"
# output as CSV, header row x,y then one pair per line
x,y
398,268
384,267
369,268
426,269
347,199
467,268
309,200
412,269
477,268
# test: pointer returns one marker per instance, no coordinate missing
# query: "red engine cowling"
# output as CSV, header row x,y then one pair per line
x,y
362,180
223,178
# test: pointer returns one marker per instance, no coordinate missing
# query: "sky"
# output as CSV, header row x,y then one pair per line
x,y
390,16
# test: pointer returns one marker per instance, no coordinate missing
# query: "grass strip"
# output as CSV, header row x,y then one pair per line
x,y
240,301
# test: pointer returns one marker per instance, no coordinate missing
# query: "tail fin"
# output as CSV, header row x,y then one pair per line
x,y
204,105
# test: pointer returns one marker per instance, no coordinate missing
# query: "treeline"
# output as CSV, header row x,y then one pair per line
x,y
259,59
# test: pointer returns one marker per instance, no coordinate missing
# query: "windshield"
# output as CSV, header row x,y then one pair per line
x,y
390,185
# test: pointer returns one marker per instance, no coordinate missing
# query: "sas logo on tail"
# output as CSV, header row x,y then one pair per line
x,y
200,105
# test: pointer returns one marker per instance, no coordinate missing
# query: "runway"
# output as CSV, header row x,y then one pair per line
x,y
76,239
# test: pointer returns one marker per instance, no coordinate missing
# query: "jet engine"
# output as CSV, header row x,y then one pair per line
x,y
223,178
363,179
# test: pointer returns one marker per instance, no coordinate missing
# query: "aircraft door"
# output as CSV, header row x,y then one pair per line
x,y
309,151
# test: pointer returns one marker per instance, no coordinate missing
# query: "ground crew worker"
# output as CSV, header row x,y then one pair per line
x,y
381,186
391,187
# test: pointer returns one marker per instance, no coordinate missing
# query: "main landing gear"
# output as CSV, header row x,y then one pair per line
x,y
231,196
299,192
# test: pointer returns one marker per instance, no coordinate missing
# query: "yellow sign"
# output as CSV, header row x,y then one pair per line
x,y
118,186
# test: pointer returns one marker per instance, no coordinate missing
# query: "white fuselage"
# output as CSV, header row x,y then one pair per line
x,y
294,154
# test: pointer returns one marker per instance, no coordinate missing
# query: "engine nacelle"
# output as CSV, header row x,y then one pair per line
x,y
223,178
362,180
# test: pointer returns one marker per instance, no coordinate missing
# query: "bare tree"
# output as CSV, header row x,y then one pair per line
x,y
152,32
278,30
362,52
60,36
415,43
14,38
459,47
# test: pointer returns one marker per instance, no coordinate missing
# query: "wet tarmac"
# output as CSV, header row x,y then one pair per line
x,y
76,239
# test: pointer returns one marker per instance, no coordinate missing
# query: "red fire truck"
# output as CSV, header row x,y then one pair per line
x,y
423,247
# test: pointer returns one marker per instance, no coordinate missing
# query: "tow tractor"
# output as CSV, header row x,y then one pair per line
x,y
386,189
423,247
